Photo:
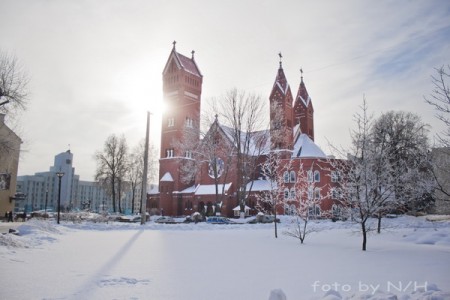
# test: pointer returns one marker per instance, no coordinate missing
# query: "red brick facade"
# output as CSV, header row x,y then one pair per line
x,y
212,187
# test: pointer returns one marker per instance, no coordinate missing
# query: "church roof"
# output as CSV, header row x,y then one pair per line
x,y
305,147
281,82
302,95
167,177
210,189
183,62
261,185
258,141
188,64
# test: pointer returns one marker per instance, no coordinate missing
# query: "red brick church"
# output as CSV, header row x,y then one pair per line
x,y
189,183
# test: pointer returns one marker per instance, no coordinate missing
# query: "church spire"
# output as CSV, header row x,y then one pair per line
x,y
303,109
281,110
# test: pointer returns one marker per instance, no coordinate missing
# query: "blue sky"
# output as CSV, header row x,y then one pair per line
x,y
95,66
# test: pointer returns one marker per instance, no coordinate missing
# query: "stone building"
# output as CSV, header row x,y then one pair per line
x,y
9,163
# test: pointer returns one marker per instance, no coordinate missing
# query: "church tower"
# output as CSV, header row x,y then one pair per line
x,y
303,110
281,114
182,88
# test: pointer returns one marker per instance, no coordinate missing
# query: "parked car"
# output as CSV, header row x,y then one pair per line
x,y
194,218
165,220
264,219
219,220
130,219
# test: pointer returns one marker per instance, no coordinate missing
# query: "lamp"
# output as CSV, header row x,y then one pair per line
x,y
60,175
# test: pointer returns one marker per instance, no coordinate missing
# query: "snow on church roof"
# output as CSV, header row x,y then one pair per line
x,y
188,64
210,189
167,177
260,185
305,147
259,141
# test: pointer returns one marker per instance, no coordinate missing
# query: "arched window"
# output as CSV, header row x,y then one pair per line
x,y
314,211
292,193
310,193
286,209
336,210
290,210
292,177
310,176
316,193
286,194
316,176
334,193
293,210
286,176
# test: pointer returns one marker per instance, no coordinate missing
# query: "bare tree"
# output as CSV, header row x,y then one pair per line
x,y
364,174
440,99
214,149
135,168
13,84
272,171
13,93
111,166
243,113
301,200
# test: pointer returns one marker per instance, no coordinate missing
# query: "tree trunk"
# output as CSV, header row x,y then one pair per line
x,y
364,232
120,194
379,224
276,229
132,200
113,193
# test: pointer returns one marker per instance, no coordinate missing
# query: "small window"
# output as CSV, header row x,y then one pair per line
x,y
169,153
334,194
310,193
314,211
286,177
317,194
188,154
316,176
292,176
170,122
189,122
310,176
335,176
292,194
286,194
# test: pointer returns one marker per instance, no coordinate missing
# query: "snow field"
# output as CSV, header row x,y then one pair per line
x,y
410,259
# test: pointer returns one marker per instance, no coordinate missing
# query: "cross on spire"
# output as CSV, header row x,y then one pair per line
x,y
174,43
301,72
281,56
193,52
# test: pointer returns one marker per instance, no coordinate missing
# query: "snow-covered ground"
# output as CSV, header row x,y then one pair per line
x,y
409,259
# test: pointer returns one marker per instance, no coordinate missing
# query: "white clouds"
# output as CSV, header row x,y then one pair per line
x,y
96,65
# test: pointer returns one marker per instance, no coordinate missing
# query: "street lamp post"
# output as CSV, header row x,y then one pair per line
x,y
46,200
60,175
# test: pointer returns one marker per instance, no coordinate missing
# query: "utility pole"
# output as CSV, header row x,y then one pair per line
x,y
144,175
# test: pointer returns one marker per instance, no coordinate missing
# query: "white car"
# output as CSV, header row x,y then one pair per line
x,y
130,219
165,220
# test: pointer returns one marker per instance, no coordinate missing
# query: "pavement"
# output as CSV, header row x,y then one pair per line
x,y
6,226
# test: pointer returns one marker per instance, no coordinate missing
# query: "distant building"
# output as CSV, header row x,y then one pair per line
x,y
41,190
9,162
291,133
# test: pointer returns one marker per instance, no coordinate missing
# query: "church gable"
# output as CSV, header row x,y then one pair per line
x,y
177,61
